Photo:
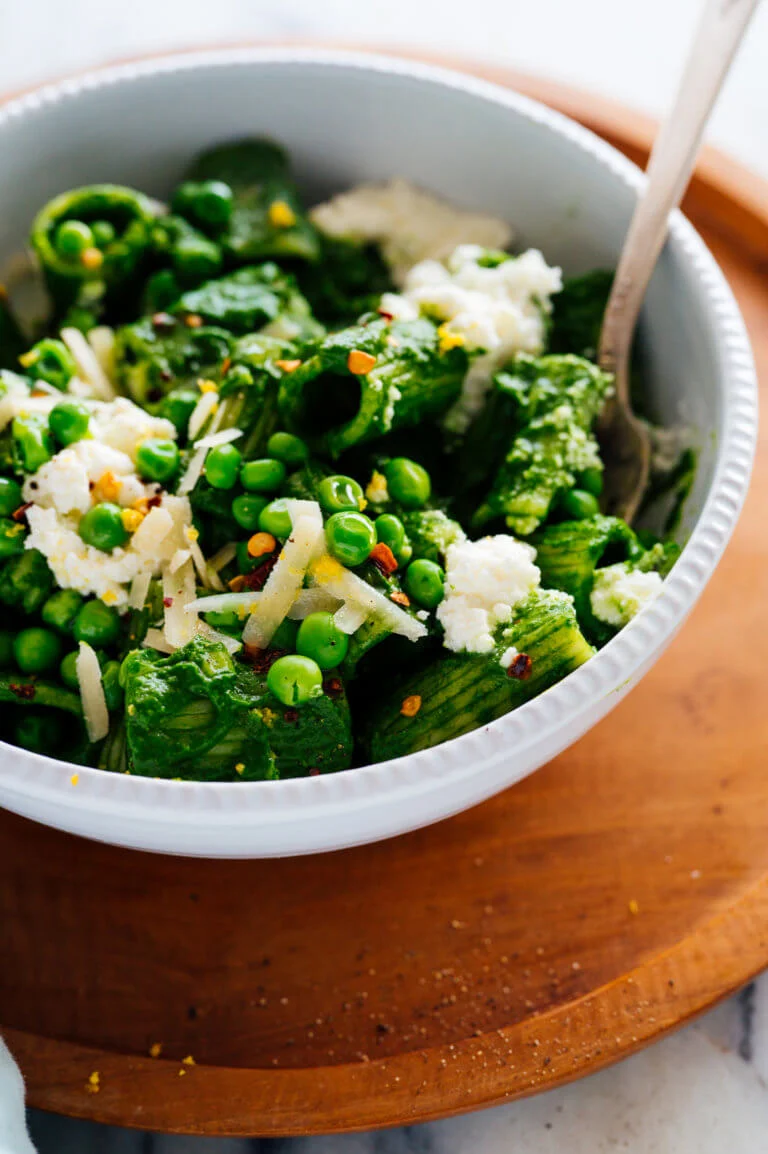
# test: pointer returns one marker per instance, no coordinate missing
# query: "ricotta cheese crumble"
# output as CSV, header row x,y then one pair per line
x,y
484,580
619,592
495,312
409,224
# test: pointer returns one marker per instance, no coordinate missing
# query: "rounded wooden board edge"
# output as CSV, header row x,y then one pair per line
x,y
607,1025
602,1027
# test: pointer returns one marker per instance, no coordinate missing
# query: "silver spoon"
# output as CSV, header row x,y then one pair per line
x,y
624,439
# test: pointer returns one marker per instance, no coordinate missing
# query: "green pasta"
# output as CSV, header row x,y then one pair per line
x,y
159,353
97,277
458,693
249,299
570,554
267,219
363,382
558,398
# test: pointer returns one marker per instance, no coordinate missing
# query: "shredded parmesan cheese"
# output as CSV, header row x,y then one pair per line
x,y
231,644
180,557
350,617
312,601
139,590
222,602
204,408
155,639
95,712
102,341
347,586
179,626
211,440
193,471
287,577
226,554
88,366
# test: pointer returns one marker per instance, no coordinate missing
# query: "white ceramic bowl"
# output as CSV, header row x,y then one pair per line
x,y
348,118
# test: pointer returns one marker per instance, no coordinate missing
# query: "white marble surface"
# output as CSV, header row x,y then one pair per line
x,y
705,1090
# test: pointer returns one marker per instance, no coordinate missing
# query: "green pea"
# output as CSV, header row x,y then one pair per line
x,y
10,496
205,202
285,635
102,526
340,494
12,535
110,682
36,650
196,258
69,421
68,670
32,441
37,731
350,537
263,476
580,505
72,238
177,407
408,482
295,680
320,638
50,360
424,582
275,519
591,481
61,609
157,459
222,466
103,233
97,623
290,450
390,531
6,649
247,509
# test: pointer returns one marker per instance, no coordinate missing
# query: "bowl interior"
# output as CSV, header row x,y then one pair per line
x,y
347,123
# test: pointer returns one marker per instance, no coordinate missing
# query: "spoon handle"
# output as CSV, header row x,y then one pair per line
x,y
675,149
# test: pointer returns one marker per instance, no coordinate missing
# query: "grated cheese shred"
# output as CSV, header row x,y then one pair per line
x,y
95,712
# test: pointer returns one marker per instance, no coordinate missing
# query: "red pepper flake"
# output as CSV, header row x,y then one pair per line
x,y
288,366
400,599
360,363
256,579
167,602
193,321
383,558
387,316
163,321
20,514
332,687
291,715
314,772
520,667
411,705
153,502
24,692
261,660
226,364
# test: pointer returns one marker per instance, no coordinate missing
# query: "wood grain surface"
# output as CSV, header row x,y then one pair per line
x,y
564,924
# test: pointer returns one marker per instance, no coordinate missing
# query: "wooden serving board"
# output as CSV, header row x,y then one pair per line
x,y
569,921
